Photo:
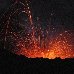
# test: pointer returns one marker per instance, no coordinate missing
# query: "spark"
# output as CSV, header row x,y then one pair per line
x,y
32,40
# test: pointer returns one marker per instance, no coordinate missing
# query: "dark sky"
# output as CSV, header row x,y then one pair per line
x,y
56,9
59,9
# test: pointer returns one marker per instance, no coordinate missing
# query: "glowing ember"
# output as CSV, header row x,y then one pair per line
x,y
59,47
32,39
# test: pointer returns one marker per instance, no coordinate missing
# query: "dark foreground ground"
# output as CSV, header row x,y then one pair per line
x,y
14,64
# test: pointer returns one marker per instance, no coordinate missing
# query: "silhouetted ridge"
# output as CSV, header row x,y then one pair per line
x,y
12,63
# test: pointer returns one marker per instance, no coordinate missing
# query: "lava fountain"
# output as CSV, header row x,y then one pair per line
x,y
30,39
60,47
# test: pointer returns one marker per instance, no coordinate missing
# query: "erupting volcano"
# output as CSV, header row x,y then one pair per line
x,y
23,35
60,46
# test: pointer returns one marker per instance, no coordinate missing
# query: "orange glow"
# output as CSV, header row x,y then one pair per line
x,y
31,46
59,47
35,41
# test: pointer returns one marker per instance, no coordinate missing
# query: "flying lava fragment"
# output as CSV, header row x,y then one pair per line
x,y
23,36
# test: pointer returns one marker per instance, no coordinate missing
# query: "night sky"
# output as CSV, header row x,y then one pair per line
x,y
61,11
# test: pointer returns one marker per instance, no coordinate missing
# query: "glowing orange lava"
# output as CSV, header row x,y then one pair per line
x,y
33,40
59,47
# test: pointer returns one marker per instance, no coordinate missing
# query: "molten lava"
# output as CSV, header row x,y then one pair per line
x,y
59,47
23,35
